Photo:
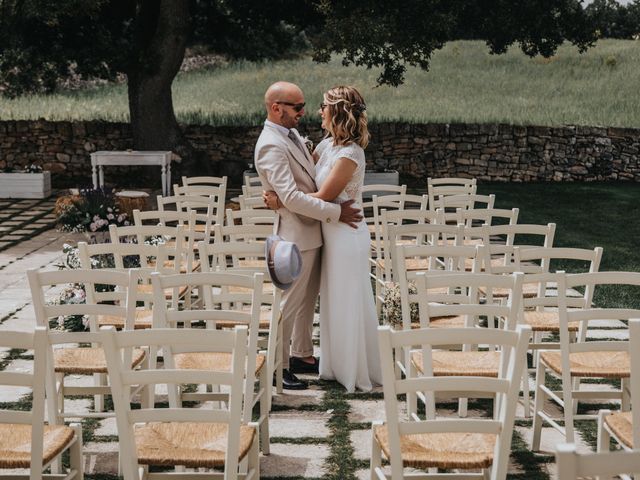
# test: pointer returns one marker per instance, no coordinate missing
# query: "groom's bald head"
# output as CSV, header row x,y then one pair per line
x,y
284,102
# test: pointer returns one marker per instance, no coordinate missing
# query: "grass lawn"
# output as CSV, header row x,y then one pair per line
x,y
586,215
465,84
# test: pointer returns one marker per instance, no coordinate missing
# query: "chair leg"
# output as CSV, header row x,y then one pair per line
x,y
254,458
575,386
569,407
526,401
265,384
376,453
463,404
603,433
625,401
412,398
538,407
75,453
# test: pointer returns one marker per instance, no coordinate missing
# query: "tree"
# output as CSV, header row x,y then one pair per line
x,y
44,40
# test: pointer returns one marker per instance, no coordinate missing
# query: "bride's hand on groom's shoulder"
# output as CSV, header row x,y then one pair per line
x,y
271,200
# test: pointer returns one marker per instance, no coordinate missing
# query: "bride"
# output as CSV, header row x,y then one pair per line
x,y
348,321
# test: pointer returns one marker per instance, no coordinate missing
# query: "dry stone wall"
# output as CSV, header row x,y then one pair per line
x,y
487,152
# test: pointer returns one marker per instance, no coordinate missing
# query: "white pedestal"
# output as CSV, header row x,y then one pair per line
x,y
131,157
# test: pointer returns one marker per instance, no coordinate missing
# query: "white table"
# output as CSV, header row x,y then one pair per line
x,y
131,157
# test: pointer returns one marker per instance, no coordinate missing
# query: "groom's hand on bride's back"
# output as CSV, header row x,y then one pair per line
x,y
349,214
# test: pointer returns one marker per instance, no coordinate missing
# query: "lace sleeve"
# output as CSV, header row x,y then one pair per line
x,y
352,152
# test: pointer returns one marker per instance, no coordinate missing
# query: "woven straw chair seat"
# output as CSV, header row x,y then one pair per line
x,y
411,263
144,319
168,264
546,321
267,289
85,361
591,364
146,289
214,361
15,443
441,450
265,320
529,290
621,424
447,364
190,444
467,242
252,263
495,262
443,322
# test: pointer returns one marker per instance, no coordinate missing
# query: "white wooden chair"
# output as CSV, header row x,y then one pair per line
x,y
221,309
122,257
476,217
248,202
438,188
219,182
209,209
573,465
582,359
447,443
392,202
25,440
620,425
70,359
254,216
195,438
468,297
252,187
464,201
247,259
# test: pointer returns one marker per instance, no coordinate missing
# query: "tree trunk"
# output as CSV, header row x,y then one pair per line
x,y
161,34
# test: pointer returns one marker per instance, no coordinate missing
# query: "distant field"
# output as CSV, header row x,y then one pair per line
x,y
465,84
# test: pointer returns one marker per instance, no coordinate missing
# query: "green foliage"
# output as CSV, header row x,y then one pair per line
x,y
615,20
392,35
465,84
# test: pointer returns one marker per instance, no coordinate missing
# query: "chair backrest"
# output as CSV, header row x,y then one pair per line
x,y
417,235
209,208
505,387
464,201
35,381
572,465
173,341
445,259
164,218
476,217
257,216
242,233
248,202
437,188
218,182
115,286
252,187
220,303
590,282
380,189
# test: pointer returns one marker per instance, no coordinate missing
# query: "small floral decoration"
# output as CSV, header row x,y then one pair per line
x,y
94,211
309,144
392,306
75,293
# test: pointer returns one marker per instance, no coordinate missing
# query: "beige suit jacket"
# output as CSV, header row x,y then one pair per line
x,y
285,169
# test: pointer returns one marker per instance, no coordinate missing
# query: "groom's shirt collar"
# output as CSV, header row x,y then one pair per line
x,y
280,128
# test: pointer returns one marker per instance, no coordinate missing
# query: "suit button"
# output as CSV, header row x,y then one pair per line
x,y
328,220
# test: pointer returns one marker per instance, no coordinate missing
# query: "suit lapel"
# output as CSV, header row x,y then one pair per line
x,y
301,158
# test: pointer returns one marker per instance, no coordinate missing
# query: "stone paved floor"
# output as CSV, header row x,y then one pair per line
x,y
321,433
22,219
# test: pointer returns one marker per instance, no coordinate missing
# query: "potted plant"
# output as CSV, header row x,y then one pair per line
x,y
91,212
31,182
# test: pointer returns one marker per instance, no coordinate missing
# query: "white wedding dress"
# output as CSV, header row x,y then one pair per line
x,y
348,320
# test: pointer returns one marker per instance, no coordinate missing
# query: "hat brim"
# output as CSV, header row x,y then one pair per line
x,y
271,239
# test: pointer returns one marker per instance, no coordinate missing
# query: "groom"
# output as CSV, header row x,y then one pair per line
x,y
285,166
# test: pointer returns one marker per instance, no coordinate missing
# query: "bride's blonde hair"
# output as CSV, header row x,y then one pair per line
x,y
348,116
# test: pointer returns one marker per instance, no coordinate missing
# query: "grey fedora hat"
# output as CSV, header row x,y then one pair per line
x,y
283,260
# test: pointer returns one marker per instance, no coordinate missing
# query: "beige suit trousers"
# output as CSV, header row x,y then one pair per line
x,y
298,307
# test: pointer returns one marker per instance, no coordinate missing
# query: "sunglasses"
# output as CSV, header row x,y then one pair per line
x,y
323,106
296,106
